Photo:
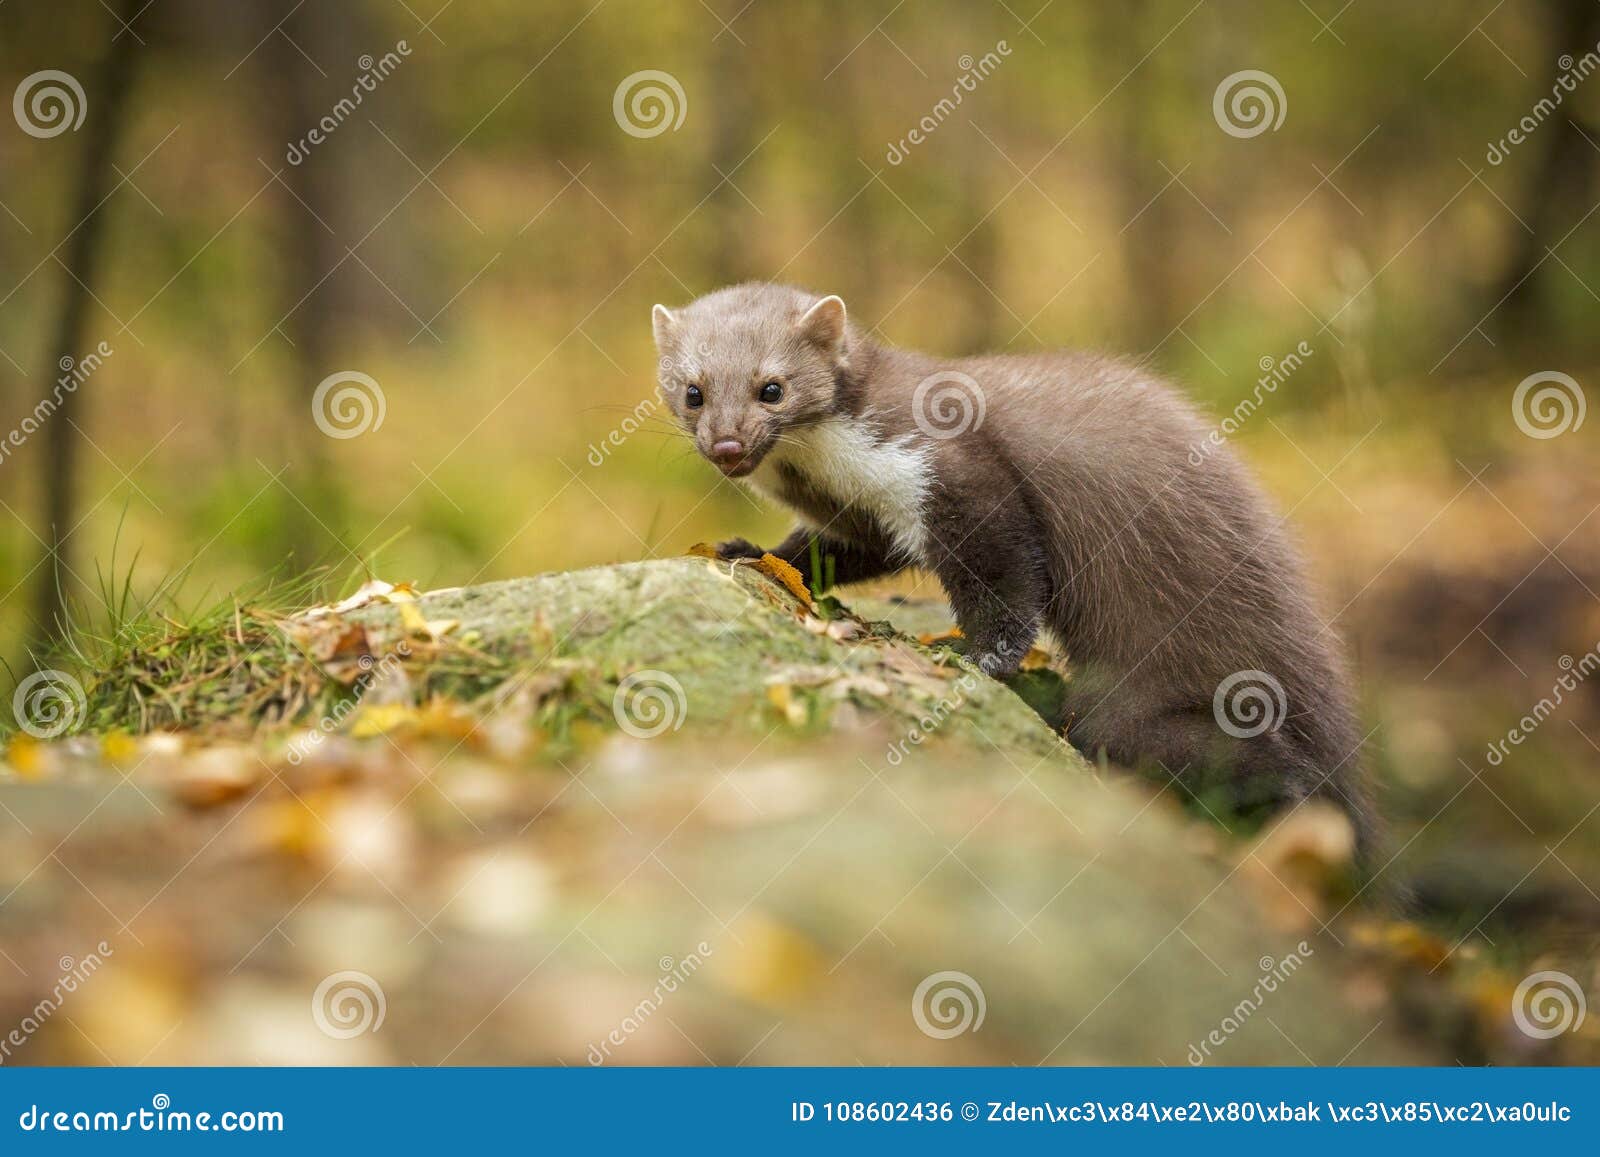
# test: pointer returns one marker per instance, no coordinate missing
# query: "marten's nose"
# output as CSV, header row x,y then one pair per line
x,y
729,450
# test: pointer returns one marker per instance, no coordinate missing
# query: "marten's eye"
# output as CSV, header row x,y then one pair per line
x,y
693,398
771,393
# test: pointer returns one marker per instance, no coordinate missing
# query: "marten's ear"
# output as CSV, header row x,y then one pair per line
x,y
823,323
665,324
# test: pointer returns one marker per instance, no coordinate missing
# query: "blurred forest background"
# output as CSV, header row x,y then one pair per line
x,y
483,237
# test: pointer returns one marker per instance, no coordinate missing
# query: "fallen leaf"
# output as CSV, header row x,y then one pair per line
x,y
370,592
1403,942
768,962
704,550
411,618
774,567
214,775
381,718
442,718
293,825
1036,658
789,705
1300,862
336,646
843,630
118,748
26,756
866,684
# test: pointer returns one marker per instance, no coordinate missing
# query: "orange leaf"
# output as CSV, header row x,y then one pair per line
x,y
1036,658
773,566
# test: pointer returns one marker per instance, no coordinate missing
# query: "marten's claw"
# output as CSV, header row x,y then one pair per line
x,y
734,548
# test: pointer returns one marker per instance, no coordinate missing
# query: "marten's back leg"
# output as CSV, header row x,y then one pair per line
x,y
1187,742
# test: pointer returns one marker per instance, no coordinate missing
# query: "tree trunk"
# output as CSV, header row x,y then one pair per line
x,y
105,121
1559,191
313,221
1150,198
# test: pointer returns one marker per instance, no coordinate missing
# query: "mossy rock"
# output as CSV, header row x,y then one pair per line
x,y
852,824
727,633
734,647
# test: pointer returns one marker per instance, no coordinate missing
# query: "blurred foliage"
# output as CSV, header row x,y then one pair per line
x,y
483,239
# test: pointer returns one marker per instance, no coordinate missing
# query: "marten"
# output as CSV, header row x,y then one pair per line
x,y
1059,491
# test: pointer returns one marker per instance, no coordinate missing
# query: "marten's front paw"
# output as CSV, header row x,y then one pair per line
x,y
998,667
738,548
1001,660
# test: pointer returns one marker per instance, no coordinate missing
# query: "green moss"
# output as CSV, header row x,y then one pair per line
x,y
718,637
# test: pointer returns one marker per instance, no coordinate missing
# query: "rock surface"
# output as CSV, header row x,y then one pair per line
x,y
668,812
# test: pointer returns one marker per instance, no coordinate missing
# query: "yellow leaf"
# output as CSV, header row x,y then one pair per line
x,y
411,618
773,566
445,719
293,825
1036,658
1402,942
118,748
381,718
704,550
26,757
782,696
768,962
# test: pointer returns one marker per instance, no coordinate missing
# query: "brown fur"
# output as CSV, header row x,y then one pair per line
x,y
1079,504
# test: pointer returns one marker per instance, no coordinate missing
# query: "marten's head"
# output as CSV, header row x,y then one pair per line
x,y
742,366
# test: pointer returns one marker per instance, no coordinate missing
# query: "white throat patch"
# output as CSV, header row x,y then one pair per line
x,y
844,459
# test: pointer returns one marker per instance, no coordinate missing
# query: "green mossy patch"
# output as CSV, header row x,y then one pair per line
x,y
743,651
